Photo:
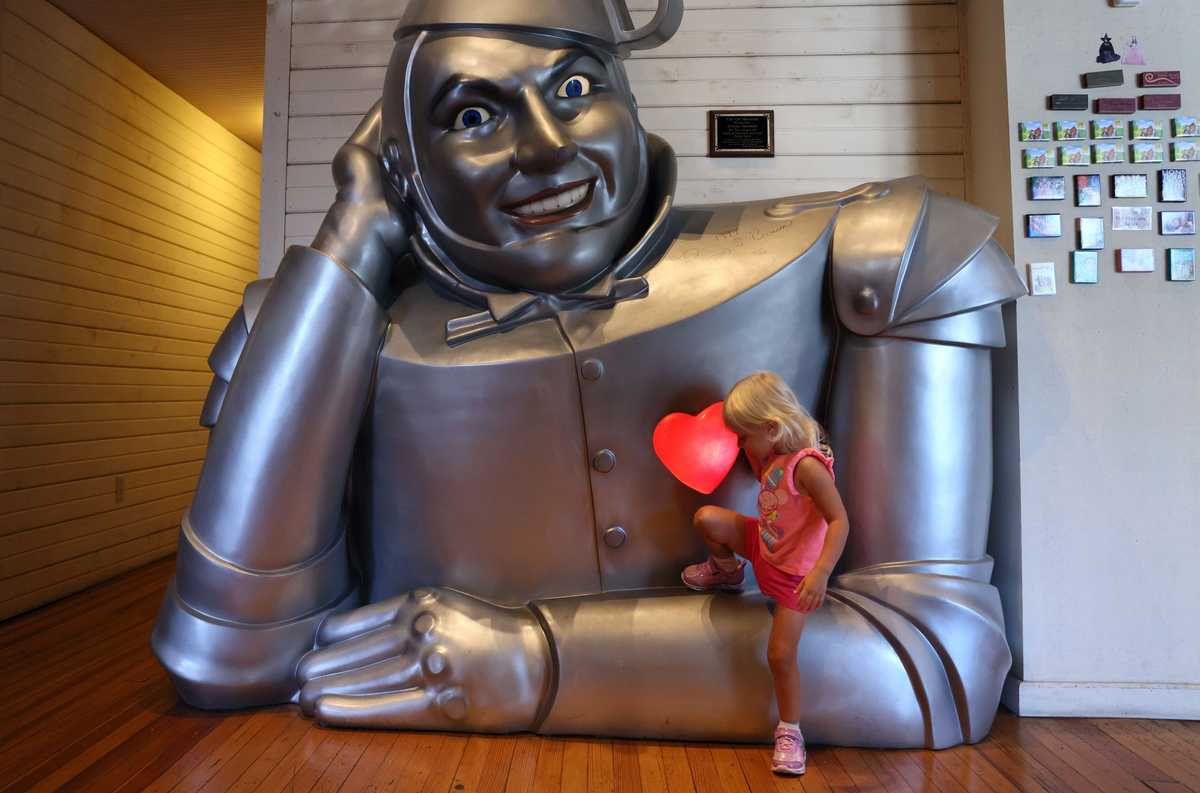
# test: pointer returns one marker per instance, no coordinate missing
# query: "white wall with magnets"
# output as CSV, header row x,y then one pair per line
x,y
1097,505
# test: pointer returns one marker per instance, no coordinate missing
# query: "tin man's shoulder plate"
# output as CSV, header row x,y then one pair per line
x,y
904,254
228,349
717,253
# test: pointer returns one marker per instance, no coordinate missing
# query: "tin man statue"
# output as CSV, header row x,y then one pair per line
x,y
442,409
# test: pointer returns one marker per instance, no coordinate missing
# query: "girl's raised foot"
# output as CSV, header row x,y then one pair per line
x,y
708,576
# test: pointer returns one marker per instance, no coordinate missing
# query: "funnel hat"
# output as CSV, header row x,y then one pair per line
x,y
601,23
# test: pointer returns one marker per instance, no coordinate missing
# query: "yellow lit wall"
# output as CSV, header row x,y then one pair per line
x,y
128,229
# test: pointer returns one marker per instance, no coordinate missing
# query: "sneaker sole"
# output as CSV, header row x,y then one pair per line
x,y
721,588
789,770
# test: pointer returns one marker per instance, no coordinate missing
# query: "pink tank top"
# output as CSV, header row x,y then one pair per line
x,y
791,530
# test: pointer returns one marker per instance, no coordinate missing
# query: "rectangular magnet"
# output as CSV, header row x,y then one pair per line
x,y
1162,101
1159,79
1105,79
1069,102
1117,105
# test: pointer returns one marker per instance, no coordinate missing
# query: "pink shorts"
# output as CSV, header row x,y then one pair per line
x,y
773,582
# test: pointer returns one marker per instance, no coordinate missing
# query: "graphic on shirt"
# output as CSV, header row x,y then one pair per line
x,y
791,528
769,499
774,478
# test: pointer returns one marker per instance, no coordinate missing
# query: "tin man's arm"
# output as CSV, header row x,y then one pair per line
x,y
262,552
917,284
656,665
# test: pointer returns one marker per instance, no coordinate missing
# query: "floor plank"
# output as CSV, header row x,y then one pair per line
x,y
108,720
575,767
601,771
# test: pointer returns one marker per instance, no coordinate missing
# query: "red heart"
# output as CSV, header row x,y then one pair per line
x,y
699,450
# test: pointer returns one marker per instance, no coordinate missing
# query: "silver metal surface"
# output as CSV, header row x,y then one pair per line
x,y
483,442
987,279
934,425
228,349
855,689
475,467
221,361
298,384
259,563
213,402
224,665
228,592
983,327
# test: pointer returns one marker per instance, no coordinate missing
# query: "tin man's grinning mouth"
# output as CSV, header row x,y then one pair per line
x,y
555,204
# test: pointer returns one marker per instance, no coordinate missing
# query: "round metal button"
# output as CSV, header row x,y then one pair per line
x,y
615,536
592,369
604,461
866,302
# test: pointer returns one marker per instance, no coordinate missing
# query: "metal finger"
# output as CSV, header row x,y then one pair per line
x,y
416,709
394,674
340,627
353,653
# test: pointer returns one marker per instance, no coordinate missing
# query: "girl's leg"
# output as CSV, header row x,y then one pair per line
x,y
781,655
721,530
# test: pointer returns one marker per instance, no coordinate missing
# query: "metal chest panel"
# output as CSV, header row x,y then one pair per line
x,y
474,462
722,304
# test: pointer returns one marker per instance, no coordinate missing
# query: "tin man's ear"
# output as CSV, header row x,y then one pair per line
x,y
655,32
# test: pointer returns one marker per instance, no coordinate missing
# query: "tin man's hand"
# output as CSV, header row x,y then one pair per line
x,y
367,227
435,659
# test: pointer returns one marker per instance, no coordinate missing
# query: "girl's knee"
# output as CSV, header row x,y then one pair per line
x,y
781,656
707,518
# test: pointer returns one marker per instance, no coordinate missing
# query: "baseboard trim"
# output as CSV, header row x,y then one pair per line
x,y
1102,700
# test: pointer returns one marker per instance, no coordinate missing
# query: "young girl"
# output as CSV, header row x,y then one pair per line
x,y
793,544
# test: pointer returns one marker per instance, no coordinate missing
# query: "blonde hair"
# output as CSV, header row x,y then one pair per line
x,y
763,398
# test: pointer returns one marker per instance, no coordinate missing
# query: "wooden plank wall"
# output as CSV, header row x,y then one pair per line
x,y
862,89
128,229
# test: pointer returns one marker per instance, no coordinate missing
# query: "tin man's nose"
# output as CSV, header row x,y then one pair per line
x,y
544,145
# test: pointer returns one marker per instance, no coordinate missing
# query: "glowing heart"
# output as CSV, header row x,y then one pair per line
x,y
699,450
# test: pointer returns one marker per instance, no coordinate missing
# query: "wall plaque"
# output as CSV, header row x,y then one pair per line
x,y
741,133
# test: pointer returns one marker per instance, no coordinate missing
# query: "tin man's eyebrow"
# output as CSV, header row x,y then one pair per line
x,y
463,81
569,59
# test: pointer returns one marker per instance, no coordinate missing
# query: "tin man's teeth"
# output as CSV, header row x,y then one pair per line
x,y
555,203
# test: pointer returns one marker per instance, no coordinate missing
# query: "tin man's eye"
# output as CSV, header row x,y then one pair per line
x,y
574,87
472,117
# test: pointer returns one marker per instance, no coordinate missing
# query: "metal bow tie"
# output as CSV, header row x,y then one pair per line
x,y
509,310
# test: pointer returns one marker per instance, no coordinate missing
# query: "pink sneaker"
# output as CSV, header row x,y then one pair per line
x,y
790,757
706,577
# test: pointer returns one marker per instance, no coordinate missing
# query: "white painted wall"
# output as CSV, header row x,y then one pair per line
x,y
1102,577
862,89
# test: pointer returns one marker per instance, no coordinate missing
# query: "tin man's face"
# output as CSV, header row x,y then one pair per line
x,y
531,154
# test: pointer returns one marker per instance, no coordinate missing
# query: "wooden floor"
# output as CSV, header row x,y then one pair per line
x,y
86,707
